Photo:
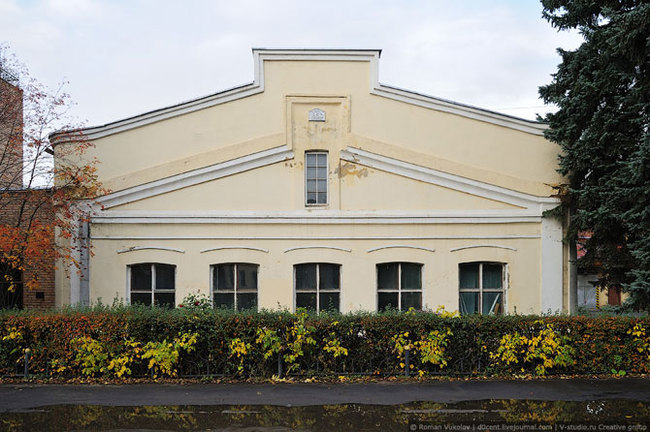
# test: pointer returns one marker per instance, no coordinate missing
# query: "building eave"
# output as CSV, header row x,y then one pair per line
x,y
260,55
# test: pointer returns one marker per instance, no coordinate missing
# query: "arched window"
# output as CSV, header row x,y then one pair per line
x,y
481,288
318,286
152,283
399,286
234,286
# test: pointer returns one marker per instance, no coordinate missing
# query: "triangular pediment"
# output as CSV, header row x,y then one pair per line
x,y
271,181
261,56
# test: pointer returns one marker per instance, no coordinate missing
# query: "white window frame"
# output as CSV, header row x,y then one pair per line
x,y
327,185
235,282
480,289
153,265
399,289
317,291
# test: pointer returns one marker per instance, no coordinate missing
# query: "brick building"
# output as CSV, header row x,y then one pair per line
x,y
20,207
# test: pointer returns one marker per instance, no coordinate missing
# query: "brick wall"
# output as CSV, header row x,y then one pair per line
x,y
38,204
11,142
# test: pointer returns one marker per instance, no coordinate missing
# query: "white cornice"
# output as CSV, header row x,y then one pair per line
x,y
260,55
532,203
191,178
452,107
282,238
323,217
182,108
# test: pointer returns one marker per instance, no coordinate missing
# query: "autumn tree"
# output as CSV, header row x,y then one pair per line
x,y
37,200
602,90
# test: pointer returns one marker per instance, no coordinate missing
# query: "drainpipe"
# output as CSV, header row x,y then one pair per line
x,y
573,278
84,282
573,272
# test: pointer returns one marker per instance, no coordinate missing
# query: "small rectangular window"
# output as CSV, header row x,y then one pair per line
x,y
481,288
399,286
316,178
152,284
318,286
234,286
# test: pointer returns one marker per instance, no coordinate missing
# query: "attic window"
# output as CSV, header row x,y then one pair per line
x,y
316,178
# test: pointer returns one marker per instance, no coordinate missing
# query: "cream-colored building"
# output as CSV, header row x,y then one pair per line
x,y
317,186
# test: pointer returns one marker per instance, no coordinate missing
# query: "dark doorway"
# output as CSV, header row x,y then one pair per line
x,y
11,288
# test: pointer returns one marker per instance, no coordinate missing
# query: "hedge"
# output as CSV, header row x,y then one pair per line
x,y
120,342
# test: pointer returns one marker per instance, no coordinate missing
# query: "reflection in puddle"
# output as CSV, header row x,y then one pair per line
x,y
544,415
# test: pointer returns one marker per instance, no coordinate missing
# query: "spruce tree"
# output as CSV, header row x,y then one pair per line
x,y
602,90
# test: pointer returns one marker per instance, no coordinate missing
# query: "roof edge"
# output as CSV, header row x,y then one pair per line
x,y
260,55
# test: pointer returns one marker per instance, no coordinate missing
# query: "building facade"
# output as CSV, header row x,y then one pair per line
x,y
19,209
316,186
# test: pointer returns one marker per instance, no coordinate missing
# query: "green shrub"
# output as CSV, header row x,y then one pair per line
x,y
124,341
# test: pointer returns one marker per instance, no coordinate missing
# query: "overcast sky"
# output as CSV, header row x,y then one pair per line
x,y
126,57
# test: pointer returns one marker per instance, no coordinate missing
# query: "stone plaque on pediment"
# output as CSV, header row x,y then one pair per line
x,y
317,114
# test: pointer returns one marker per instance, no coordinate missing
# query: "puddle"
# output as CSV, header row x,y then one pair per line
x,y
482,416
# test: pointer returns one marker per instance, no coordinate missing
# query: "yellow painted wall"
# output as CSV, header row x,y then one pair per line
x,y
281,187
358,271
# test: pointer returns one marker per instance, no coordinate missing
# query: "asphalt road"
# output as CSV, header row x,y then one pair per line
x,y
15,397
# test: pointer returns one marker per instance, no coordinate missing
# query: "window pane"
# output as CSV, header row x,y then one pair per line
x,y
224,300
322,172
492,276
306,300
310,159
164,299
322,186
468,275
329,301
411,277
164,276
411,300
492,303
141,298
322,198
141,278
322,160
468,303
306,278
311,186
246,301
311,173
225,277
329,276
311,198
246,277
387,277
387,300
